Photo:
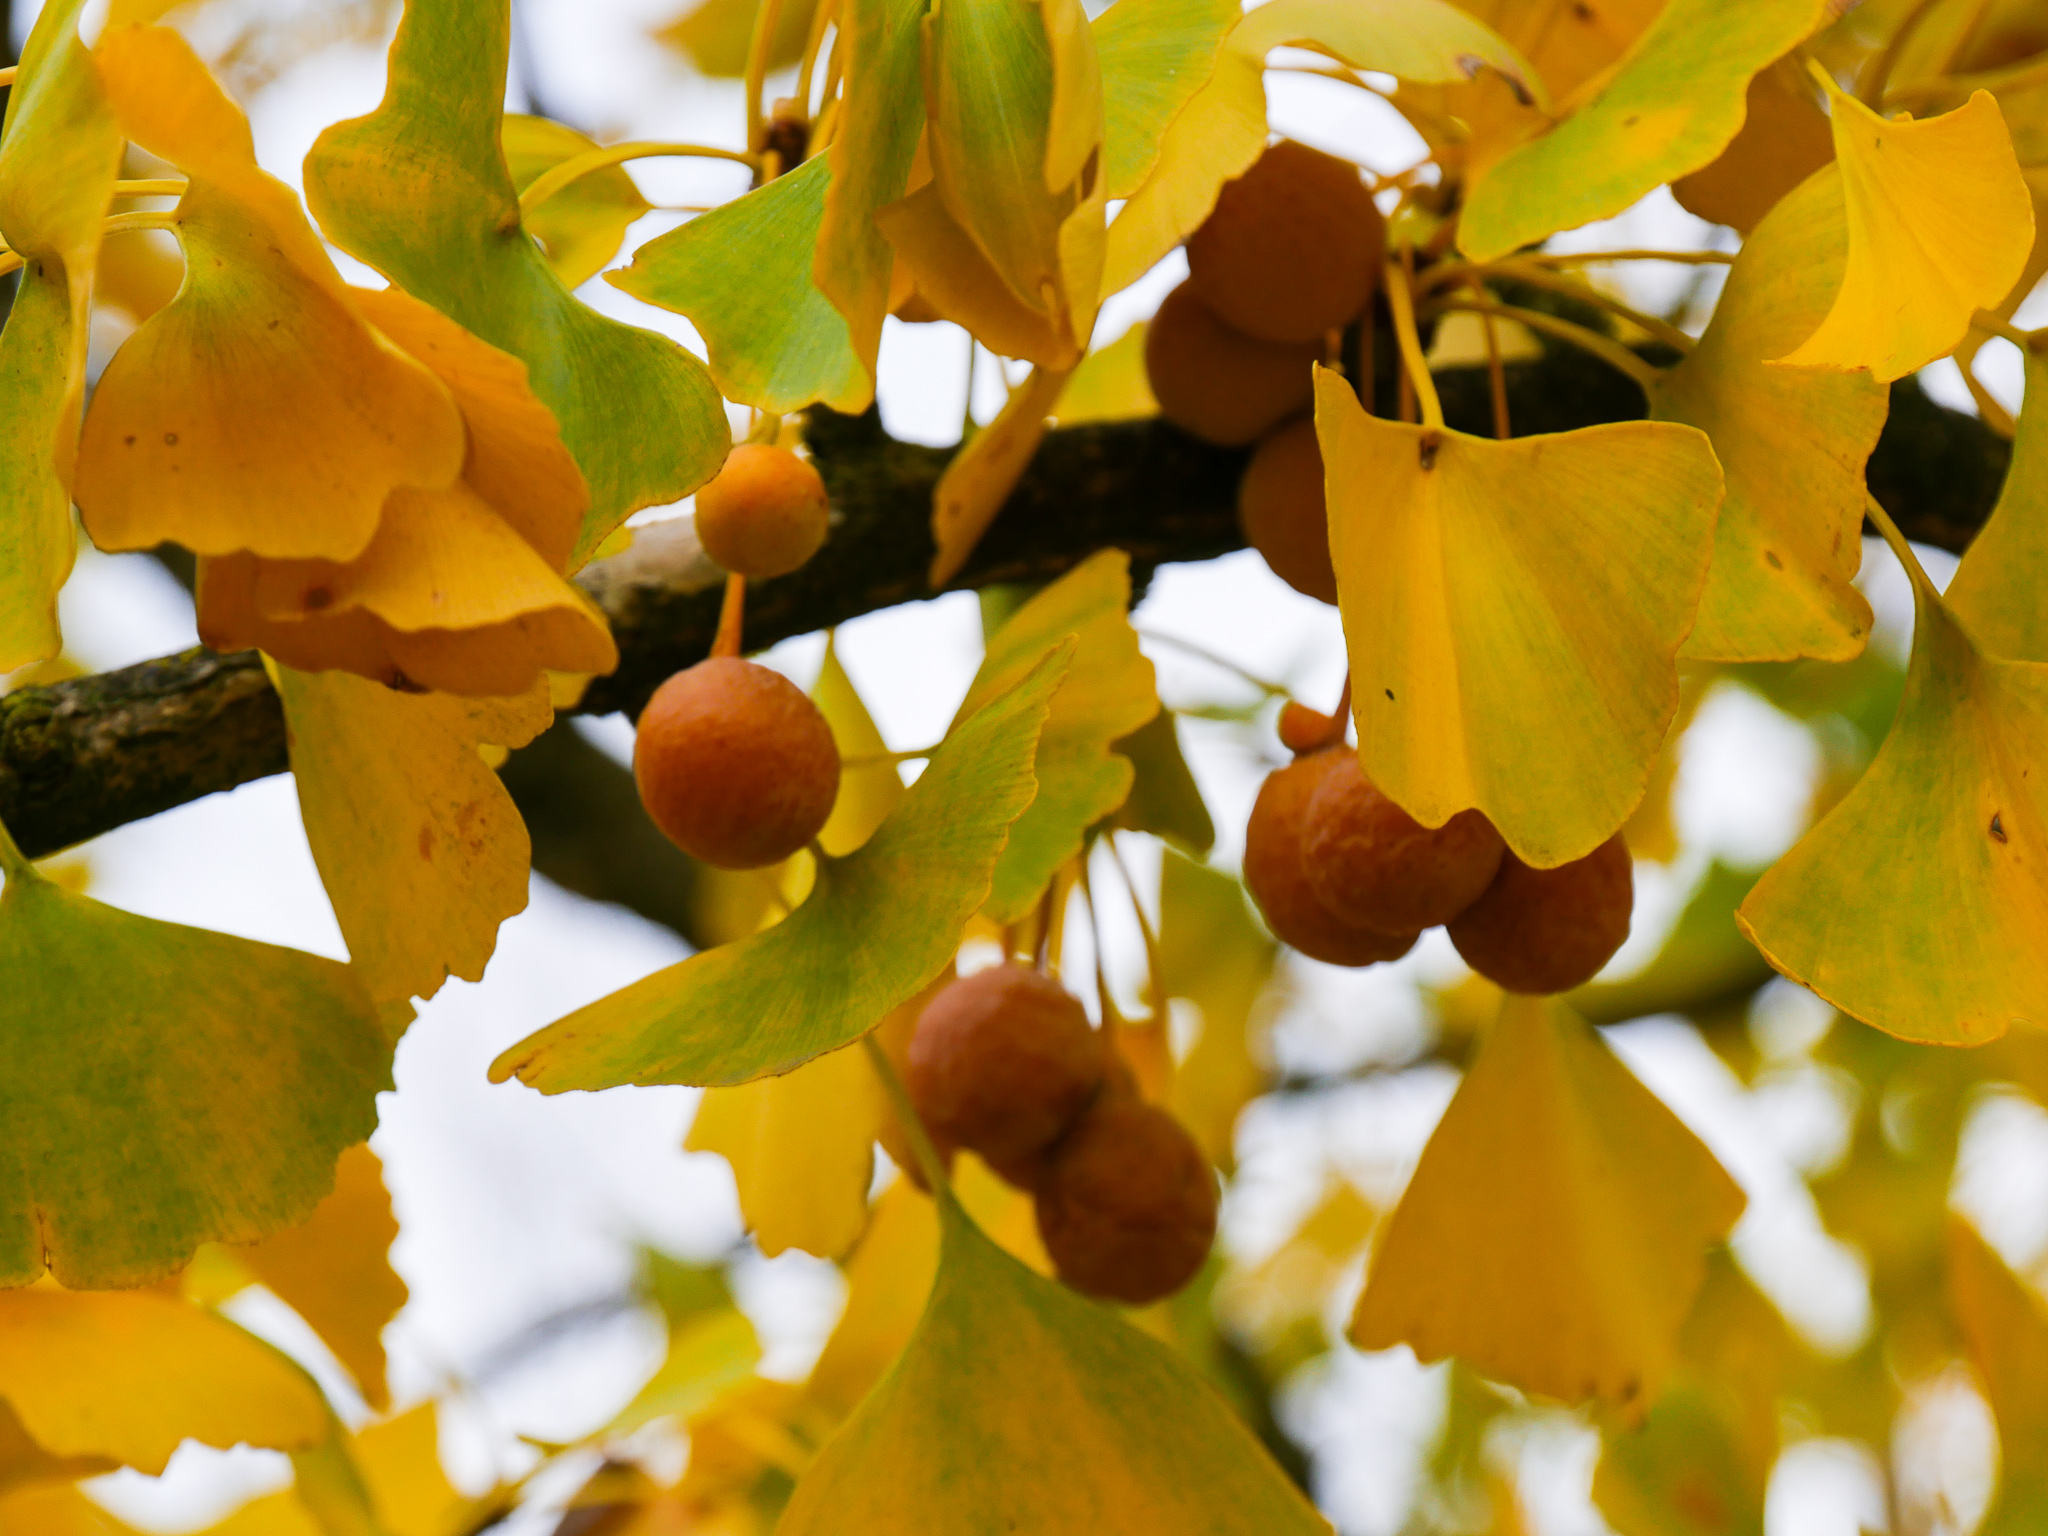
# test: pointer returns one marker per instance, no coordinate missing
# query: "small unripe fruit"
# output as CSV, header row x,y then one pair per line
x,y
1217,383
764,514
735,764
1306,730
1002,1062
1293,247
1375,865
1274,875
1549,930
1281,509
1127,1203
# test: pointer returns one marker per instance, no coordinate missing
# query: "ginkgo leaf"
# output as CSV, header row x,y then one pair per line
x,y
710,1349
24,1463
58,158
1154,55
1994,590
1164,800
1429,42
1213,953
742,275
130,1375
979,478
955,277
334,1270
166,1086
1947,823
1557,1227
1108,694
715,34
258,410
420,191
1496,594
1110,384
56,1511
802,1151
2004,1327
583,225
1785,137
880,123
1792,446
420,847
888,1279
1671,105
1017,1405
879,925
1940,226
1215,136
870,787
1278,1304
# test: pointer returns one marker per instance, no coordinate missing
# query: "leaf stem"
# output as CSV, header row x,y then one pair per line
x,y
1573,287
1897,541
14,864
11,261
1496,373
766,22
906,1113
1871,90
1202,653
124,223
1606,348
2003,329
826,13
576,167
1402,303
731,616
160,186
1153,975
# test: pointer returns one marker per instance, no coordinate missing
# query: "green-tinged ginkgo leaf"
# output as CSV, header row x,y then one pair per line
x,y
979,478
166,1086
334,1270
420,847
878,925
1154,56
1216,136
1164,800
711,1347
2005,1333
742,275
1996,589
1213,953
1497,594
419,190
129,1375
582,226
258,410
1019,1406
1110,384
1108,694
1428,42
802,1151
1792,446
1940,226
887,1280
1671,105
880,121
1557,1226
1949,824
1784,139
58,157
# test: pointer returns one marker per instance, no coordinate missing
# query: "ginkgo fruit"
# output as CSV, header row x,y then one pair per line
x,y
1274,875
1280,507
1127,1202
1372,863
1303,729
1293,248
1002,1063
735,763
1549,930
764,514
1221,385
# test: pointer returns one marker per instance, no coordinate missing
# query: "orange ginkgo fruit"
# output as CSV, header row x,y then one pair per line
x,y
1280,507
764,514
1549,930
1373,864
1274,875
1216,382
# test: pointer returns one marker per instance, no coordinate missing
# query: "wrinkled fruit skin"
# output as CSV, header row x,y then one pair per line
x,y
764,514
1274,875
1281,509
1293,248
1549,930
1002,1063
1373,864
735,764
1219,384
1127,1203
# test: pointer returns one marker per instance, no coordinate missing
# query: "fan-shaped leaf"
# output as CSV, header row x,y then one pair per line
x,y
582,226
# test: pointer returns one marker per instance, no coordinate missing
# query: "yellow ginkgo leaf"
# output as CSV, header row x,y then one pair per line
x,y
1154,56
128,1375
1497,594
56,1511
1948,823
1213,953
1670,106
1994,590
1018,1404
1429,42
1940,226
870,787
583,225
335,1272
400,1460
981,476
58,158
887,1280
23,1463
1557,1227
166,1086
1792,445
954,275
1110,384
1785,138
420,847
802,1151
258,410
2004,1326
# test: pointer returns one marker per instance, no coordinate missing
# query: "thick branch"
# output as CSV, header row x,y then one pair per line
x,y
79,758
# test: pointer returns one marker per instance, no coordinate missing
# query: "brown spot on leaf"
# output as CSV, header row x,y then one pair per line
x,y
1389,693
1426,448
1771,559
170,439
129,440
316,598
1997,828
427,844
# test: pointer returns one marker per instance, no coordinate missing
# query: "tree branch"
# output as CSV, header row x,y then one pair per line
x,y
82,757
